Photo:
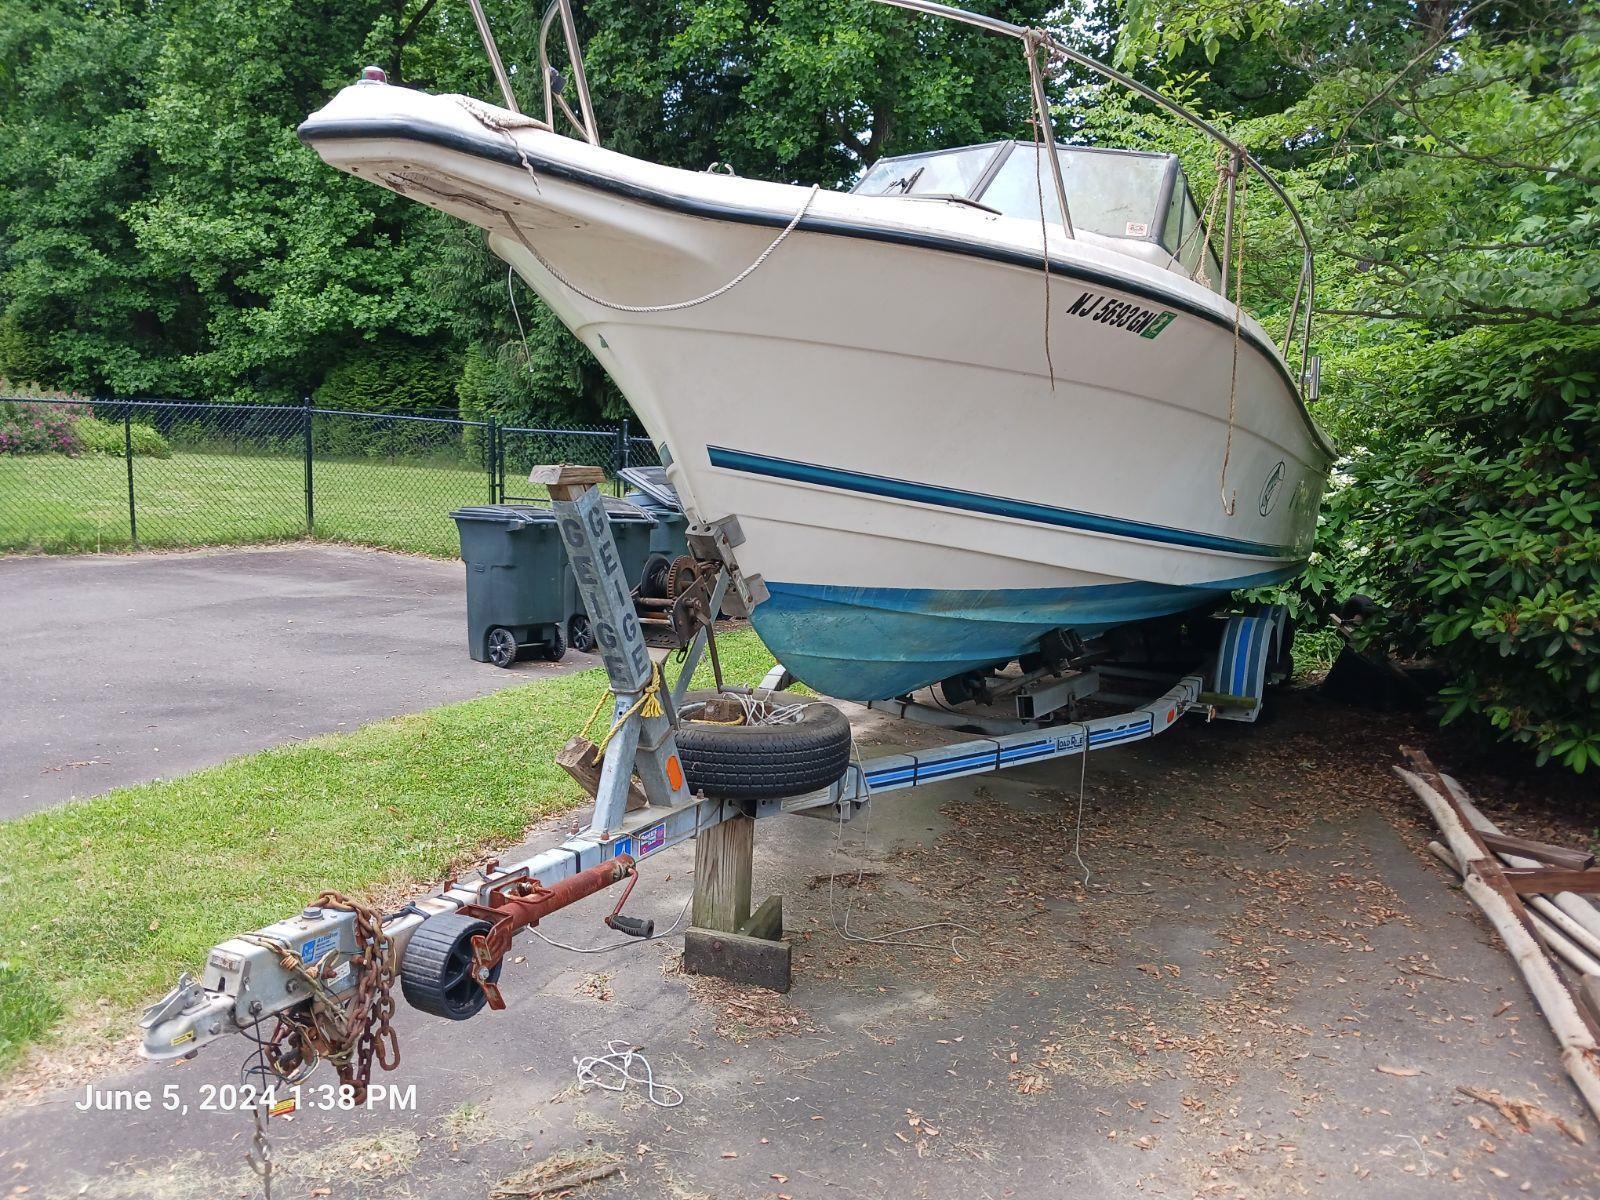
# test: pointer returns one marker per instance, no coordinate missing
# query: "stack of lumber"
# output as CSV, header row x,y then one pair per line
x,y
1537,897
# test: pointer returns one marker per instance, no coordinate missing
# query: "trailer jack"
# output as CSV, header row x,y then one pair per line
x,y
452,965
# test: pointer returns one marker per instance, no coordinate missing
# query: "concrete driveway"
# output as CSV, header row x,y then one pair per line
x,y
120,669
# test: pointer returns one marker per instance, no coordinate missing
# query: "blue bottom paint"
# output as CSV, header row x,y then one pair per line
x,y
874,643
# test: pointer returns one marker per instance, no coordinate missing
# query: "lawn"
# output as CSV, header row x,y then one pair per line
x,y
107,899
53,504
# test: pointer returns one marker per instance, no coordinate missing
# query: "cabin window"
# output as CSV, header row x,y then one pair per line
x,y
1109,193
950,173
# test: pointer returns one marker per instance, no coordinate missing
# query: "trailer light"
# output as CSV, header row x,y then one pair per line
x,y
373,75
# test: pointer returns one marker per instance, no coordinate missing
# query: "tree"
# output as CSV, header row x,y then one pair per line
x,y
1448,156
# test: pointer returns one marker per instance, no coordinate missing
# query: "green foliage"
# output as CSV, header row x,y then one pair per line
x,y
1474,521
107,437
1449,161
390,378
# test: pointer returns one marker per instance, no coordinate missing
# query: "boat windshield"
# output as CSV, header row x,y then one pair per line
x,y
946,173
1115,193
1110,192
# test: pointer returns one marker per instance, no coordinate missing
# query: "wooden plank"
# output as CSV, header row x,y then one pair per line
x,y
767,921
565,480
723,858
1546,880
1556,856
581,759
738,958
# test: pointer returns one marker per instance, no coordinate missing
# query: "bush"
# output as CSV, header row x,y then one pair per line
x,y
38,427
1473,518
385,379
106,437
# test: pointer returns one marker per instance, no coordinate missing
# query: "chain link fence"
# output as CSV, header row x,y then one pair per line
x,y
81,475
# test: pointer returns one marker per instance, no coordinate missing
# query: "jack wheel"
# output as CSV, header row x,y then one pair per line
x,y
501,645
580,635
435,972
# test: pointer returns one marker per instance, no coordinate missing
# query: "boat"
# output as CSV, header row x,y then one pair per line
x,y
990,396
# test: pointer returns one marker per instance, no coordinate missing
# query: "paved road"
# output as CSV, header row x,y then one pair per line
x,y
1280,997
120,669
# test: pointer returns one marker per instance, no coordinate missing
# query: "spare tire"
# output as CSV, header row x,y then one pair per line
x,y
763,762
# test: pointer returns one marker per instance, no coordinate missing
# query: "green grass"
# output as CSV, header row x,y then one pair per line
x,y
57,505
104,901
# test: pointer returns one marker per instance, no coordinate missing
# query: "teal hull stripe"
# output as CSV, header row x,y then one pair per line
x,y
978,502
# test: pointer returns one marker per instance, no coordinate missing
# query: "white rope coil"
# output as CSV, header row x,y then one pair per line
x,y
613,1071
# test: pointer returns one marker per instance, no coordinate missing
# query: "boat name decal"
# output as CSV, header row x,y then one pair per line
x,y
1269,490
1120,314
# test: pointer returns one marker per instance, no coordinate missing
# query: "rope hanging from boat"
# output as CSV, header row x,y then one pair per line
x,y
1044,237
1230,501
681,304
504,125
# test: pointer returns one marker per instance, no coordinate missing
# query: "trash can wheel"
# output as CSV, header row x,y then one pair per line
x,y
580,634
501,645
435,971
555,645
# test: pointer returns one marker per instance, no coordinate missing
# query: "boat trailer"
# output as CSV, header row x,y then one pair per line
x,y
323,976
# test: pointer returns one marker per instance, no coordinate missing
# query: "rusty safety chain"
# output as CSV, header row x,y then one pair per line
x,y
350,1035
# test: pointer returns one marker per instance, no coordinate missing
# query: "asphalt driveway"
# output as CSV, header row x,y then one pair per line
x,y
120,669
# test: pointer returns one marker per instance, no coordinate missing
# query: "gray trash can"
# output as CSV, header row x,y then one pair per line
x,y
522,598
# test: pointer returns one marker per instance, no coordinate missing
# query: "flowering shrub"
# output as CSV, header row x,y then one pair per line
x,y
38,427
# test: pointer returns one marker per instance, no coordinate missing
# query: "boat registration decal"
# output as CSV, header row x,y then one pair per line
x,y
1120,314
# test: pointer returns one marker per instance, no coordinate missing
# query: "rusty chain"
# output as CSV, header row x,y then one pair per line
x,y
350,1034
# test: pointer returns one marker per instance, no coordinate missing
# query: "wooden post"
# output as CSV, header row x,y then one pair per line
x,y
725,938
723,862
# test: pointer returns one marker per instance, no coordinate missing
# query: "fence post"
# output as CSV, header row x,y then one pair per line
x,y
492,455
622,451
127,451
305,421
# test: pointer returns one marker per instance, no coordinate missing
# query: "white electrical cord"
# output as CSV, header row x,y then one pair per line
x,y
894,936
618,1062
624,943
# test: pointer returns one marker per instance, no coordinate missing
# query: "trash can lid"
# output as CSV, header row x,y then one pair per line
x,y
652,482
504,514
530,514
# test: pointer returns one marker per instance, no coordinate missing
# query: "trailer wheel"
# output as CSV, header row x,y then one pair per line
x,y
763,762
501,646
434,972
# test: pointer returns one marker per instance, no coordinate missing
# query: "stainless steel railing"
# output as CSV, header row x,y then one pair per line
x,y
1035,42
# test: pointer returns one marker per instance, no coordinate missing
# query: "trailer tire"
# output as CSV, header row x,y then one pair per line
x,y
433,971
764,762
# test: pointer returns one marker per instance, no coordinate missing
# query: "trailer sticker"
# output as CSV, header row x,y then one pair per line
x,y
622,846
1120,314
652,839
317,947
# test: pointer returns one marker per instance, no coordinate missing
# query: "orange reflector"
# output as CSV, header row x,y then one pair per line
x,y
674,772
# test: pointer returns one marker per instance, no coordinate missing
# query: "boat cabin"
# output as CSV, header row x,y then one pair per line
x,y
1141,199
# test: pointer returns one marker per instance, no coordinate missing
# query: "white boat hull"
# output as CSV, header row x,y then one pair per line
x,y
874,401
